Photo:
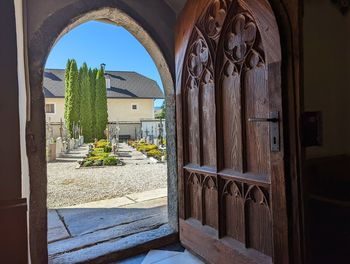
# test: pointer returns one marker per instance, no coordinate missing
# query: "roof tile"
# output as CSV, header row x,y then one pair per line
x,y
123,85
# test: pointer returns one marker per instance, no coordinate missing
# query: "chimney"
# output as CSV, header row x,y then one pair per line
x,y
108,81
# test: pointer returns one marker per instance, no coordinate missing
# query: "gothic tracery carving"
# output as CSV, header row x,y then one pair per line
x,y
215,18
240,38
257,195
198,58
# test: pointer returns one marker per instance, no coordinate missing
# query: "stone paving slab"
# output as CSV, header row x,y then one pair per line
x,y
148,195
89,217
109,203
89,254
91,226
148,204
56,228
103,235
83,221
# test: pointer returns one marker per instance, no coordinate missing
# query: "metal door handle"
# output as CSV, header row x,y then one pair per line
x,y
257,119
274,121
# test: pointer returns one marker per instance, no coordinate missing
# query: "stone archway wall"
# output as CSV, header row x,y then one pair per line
x,y
151,23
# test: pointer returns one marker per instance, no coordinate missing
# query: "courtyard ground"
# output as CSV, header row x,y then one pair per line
x,y
84,232
68,186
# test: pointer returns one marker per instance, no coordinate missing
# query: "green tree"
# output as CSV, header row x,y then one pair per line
x,y
75,87
71,115
66,73
162,112
101,104
92,75
72,104
85,104
67,96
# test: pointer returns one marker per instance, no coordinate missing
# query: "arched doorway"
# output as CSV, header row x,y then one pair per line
x,y
39,48
43,35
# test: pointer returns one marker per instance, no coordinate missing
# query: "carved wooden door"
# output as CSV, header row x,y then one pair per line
x,y
230,146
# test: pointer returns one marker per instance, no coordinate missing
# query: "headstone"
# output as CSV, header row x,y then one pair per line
x,y
59,147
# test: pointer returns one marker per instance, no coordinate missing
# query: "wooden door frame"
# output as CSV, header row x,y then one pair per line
x,y
288,14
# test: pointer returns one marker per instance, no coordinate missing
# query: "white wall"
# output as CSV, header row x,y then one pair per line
x,y
118,109
22,104
59,110
152,127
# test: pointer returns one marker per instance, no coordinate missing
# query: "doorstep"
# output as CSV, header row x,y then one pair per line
x,y
129,199
112,227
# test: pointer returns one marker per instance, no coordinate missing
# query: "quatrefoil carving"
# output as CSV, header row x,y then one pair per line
x,y
198,58
241,37
216,18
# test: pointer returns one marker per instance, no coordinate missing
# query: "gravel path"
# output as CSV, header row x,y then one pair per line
x,y
69,186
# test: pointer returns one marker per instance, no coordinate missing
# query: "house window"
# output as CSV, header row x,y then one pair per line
x,y
134,107
50,108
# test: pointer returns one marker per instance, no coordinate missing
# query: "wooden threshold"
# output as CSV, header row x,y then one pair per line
x,y
205,244
139,249
117,249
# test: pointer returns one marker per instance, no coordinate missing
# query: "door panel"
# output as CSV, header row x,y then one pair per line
x,y
231,183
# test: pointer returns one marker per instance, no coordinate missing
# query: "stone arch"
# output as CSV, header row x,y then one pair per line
x,y
40,41
40,44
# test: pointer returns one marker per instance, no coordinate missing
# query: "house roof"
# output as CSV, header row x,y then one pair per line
x,y
123,85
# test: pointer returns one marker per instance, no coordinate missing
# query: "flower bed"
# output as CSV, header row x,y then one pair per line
x,y
100,155
150,150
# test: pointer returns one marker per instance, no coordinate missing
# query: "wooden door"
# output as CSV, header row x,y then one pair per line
x,y
230,135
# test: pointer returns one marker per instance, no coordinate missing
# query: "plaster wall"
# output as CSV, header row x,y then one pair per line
x,y
327,74
130,128
59,110
118,109
22,100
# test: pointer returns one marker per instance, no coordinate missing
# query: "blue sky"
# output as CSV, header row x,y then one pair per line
x,y
96,42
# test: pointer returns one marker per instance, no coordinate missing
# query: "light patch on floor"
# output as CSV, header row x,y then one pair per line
x,y
170,257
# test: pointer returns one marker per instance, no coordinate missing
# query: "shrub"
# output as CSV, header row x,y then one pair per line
x,y
98,162
98,154
88,163
101,143
155,153
146,148
110,161
107,149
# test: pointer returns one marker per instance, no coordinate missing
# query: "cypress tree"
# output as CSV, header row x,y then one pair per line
x,y
101,104
66,73
92,77
70,82
67,97
72,98
85,104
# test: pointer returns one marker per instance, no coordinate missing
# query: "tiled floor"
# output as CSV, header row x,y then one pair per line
x,y
174,254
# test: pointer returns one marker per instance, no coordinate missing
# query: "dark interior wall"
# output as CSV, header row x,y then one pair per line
x,y
326,75
13,214
10,164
